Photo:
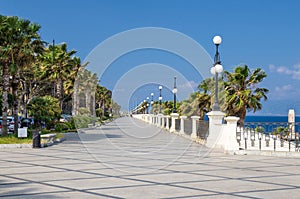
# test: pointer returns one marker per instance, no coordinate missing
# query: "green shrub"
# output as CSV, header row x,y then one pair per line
x,y
83,111
61,126
45,131
29,133
72,123
83,121
44,109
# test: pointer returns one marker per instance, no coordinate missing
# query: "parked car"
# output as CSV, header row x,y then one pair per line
x,y
11,126
8,123
65,118
27,122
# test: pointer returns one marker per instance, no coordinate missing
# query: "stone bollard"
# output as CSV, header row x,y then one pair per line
x,y
230,142
174,116
154,120
167,122
163,121
159,117
215,127
182,118
194,126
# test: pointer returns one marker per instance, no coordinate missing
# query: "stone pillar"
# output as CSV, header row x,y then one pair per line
x,y
194,126
215,127
162,121
174,116
182,118
159,117
151,118
167,122
228,138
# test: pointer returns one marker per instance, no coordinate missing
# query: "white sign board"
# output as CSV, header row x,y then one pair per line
x,y
22,132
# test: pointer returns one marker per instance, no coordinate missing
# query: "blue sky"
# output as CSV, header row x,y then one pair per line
x,y
260,33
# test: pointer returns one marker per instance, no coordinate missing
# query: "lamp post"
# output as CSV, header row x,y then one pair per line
x,y
215,70
174,92
147,105
160,98
152,102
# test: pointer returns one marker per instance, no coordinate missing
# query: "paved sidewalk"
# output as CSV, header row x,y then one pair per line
x,y
130,159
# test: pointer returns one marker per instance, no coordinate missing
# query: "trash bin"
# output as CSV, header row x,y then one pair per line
x,y
36,139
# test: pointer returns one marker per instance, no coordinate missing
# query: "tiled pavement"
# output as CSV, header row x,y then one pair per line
x,y
130,159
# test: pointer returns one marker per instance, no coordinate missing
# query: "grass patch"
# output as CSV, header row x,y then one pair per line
x,y
59,135
14,140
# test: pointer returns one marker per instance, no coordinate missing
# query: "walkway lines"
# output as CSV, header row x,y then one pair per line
x,y
130,159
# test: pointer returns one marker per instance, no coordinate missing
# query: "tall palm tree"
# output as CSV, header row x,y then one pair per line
x,y
74,84
56,66
28,43
17,40
85,89
103,98
242,91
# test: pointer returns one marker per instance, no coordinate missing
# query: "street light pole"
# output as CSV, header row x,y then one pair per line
x,y
160,98
215,70
174,92
147,105
152,94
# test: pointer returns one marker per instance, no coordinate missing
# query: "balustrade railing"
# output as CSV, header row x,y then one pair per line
x,y
276,136
202,129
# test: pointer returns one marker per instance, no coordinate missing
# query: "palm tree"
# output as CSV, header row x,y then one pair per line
x,y
70,83
17,40
103,98
77,86
189,107
242,91
28,43
56,66
85,89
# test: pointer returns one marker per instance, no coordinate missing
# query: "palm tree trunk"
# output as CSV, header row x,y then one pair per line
x,y
5,87
59,92
88,100
242,116
15,85
75,98
103,108
93,104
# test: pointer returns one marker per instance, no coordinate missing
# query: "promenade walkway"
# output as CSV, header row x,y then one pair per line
x,y
131,159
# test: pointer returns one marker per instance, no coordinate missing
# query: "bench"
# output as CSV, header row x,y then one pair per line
x,y
48,137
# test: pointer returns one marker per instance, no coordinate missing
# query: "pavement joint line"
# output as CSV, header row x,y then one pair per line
x,y
56,186
265,173
145,181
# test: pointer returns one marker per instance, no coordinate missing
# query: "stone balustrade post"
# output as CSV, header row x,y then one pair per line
x,y
230,142
157,121
182,118
194,126
167,122
162,121
215,128
174,116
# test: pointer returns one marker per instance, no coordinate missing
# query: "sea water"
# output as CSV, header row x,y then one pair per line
x,y
269,119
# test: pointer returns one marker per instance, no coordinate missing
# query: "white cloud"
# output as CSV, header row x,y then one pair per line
x,y
283,88
294,71
272,67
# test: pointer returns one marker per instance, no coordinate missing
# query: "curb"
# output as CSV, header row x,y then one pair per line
x,y
12,146
16,146
268,153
